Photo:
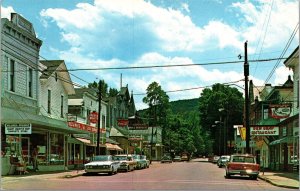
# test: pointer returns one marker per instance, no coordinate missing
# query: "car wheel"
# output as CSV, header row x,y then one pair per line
x,y
112,171
254,177
227,175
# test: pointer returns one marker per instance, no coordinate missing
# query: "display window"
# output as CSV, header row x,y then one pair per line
x,y
56,151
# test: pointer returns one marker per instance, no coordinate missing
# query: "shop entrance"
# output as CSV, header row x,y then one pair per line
x,y
25,149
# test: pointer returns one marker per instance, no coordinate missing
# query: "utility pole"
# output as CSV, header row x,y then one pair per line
x,y
247,122
99,116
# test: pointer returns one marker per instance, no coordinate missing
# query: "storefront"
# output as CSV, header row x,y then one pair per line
x,y
20,137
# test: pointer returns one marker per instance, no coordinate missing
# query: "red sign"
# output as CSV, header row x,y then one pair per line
x,y
279,111
76,125
122,122
94,117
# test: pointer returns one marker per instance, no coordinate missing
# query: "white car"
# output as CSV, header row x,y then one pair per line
x,y
102,164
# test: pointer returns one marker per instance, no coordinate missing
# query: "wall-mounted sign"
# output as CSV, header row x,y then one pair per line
x,y
264,131
138,126
279,111
122,122
93,117
18,128
76,125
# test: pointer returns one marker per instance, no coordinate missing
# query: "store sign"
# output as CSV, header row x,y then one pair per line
x,y
93,117
81,126
137,126
122,122
18,128
264,131
279,111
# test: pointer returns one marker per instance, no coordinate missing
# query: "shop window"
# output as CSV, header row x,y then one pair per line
x,y
57,151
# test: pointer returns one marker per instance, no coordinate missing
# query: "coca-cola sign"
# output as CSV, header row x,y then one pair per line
x,y
279,111
94,117
122,122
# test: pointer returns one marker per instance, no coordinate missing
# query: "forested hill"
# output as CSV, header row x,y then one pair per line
x,y
183,106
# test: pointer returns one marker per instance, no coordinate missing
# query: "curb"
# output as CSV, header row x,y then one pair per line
x,y
279,185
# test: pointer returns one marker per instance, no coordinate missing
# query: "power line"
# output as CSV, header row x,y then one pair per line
x,y
283,52
195,88
164,66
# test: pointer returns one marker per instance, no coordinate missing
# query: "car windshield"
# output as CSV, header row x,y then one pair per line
x,y
118,158
143,157
101,158
244,159
136,157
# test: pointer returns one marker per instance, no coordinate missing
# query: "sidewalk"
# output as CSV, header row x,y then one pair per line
x,y
281,179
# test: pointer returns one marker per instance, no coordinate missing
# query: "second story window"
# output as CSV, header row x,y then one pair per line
x,y
12,75
297,101
30,79
88,112
62,106
49,102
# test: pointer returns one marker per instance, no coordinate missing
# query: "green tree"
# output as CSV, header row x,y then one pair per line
x,y
95,85
112,92
158,102
231,101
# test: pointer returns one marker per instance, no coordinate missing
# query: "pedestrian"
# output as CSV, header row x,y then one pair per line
x,y
35,153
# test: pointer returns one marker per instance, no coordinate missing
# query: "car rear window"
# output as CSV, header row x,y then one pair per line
x,y
243,159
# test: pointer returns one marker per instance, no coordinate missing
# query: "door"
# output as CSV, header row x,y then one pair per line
x,y
25,149
285,155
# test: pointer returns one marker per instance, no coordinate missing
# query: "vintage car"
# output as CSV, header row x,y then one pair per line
x,y
145,161
127,162
243,165
166,159
177,158
140,164
223,160
184,157
102,164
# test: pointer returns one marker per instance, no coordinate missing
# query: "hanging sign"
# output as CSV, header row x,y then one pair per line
x,y
93,117
18,128
264,131
279,111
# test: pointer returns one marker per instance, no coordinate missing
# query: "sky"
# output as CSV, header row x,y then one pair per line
x,y
203,34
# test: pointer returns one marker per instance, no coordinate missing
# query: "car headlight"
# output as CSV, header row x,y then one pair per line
x,y
248,170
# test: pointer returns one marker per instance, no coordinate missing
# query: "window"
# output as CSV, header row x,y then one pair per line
x,y
88,112
49,101
103,121
12,76
30,79
62,106
297,90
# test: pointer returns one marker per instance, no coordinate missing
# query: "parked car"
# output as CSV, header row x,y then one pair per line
x,y
166,159
223,160
140,164
215,159
243,165
126,162
184,157
145,161
102,164
177,159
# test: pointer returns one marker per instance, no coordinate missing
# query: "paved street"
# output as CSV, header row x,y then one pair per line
x,y
194,175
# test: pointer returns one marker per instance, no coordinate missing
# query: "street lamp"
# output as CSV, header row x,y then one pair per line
x,y
216,122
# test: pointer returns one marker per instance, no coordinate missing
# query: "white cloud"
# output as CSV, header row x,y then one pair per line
x,y
283,19
6,11
119,28
281,75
